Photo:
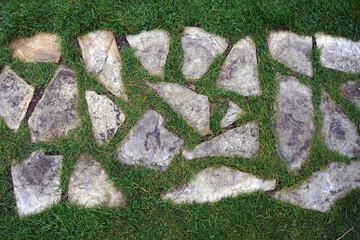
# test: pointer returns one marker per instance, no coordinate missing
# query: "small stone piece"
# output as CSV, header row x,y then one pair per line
x,y
241,141
102,60
200,48
36,183
292,50
239,73
149,143
213,184
55,114
352,92
15,97
233,113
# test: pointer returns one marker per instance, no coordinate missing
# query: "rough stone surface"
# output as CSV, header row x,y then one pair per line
x,y
324,187
239,73
200,48
292,50
106,117
36,182
149,143
339,133
233,113
212,184
152,48
241,141
102,60
352,92
193,107
55,114
294,125
15,97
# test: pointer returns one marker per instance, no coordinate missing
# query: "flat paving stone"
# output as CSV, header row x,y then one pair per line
x,y
149,143
55,114
233,113
213,184
36,182
15,97
200,49
351,91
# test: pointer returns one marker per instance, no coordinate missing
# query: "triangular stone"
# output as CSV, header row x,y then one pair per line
x,y
351,91
233,113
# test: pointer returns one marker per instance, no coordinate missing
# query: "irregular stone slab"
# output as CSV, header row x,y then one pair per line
x,y
152,48
241,141
102,60
352,92
292,50
233,113
55,114
149,143
42,47
36,182
339,133
213,184
239,73
106,117
15,97
193,107
200,49
324,187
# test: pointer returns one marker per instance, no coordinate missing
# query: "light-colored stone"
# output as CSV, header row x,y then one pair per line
x,y
324,187
213,184
239,73
233,113
56,112
149,143
36,182
241,141
200,49
351,91
102,60
15,97
292,50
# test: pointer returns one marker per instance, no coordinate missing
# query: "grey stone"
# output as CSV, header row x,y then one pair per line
x,y
233,113
36,182
149,143
241,141
352,92
200,48
15,97
55,114
213,184
239,73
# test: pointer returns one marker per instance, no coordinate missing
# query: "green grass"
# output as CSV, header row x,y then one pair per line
x,y
146,216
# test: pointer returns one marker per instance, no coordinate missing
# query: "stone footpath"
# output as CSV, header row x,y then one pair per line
x,y
150,144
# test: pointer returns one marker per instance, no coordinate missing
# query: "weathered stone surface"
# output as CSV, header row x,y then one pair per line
x,y
193,107
36,182
294,125
55,114
339,133
292,50
339,53
352,92
212,184
324,187
152,48
233,113
42,47
241,141
239,73
102,60
149,143
15,97
106,117
200,48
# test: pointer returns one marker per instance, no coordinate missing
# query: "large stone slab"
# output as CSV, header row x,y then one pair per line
x,y
102,60
213,184
292,50
56,114
36,182
241,141
294,125
324,187
239,72
149,143
152,48
233,113
351,91
200,49
15,97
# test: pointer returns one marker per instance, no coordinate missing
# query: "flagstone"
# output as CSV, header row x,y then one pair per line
x,y
233,113
351,91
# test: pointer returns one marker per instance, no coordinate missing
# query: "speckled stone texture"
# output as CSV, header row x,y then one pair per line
x,y
233,113
351,91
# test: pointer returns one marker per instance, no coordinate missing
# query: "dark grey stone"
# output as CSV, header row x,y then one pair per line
x,y
351,91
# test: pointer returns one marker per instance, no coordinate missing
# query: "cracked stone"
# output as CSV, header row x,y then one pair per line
x,y
351,91
233,113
